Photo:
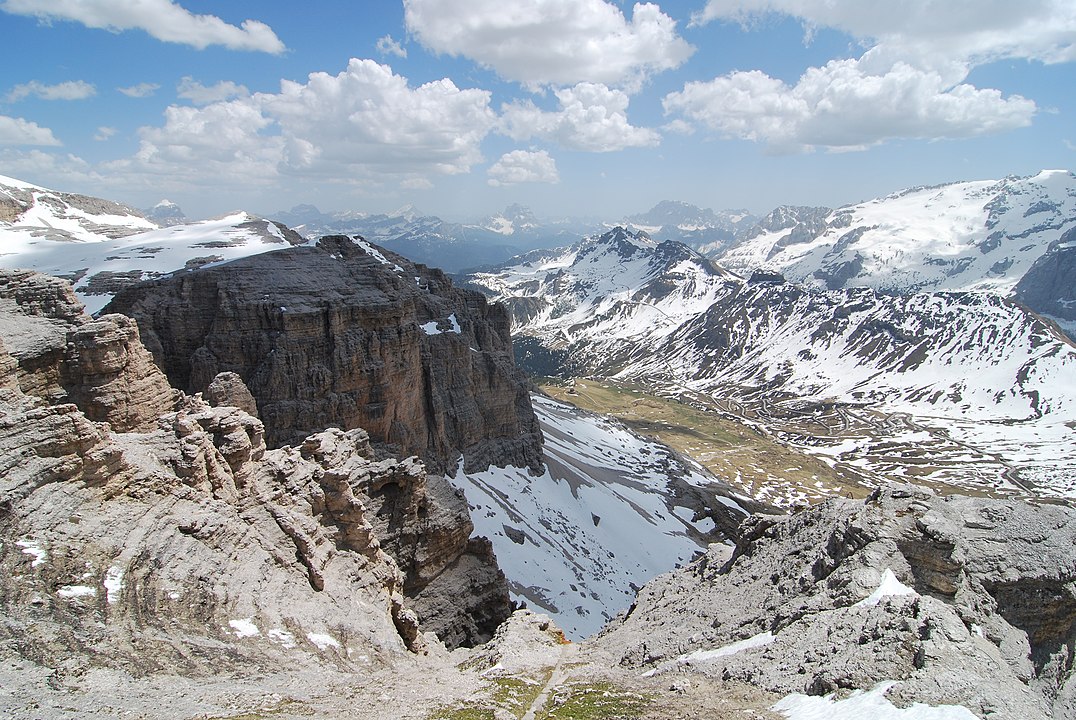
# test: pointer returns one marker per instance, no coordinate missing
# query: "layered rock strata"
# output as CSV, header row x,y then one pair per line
x,y
178,542
346,335
958,599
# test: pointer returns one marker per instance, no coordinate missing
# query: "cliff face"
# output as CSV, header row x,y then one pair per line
x,y
168,538
341,335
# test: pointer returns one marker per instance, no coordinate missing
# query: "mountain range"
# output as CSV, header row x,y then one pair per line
x,y
962,388
308,479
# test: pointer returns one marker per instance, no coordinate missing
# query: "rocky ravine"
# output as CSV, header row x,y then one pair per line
x,y
153,531
343,335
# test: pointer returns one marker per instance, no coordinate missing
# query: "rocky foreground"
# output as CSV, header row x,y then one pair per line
x,y
158,560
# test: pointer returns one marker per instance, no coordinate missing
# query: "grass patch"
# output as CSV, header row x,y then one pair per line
x,y
594,701
733,451
511,694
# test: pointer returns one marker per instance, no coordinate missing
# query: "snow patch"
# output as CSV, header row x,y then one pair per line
x,y
889,586
31,547
871,704
70,592
322,641
244,627
433,327
700,657
113,584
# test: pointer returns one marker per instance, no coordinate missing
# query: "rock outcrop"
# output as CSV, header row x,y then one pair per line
x,y
64,356
1049,287
343,335
169,538
958,599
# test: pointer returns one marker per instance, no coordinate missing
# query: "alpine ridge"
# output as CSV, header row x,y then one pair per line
x,y
952,387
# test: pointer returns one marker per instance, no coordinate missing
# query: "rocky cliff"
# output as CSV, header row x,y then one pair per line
x,y
956,599
343,335
145,529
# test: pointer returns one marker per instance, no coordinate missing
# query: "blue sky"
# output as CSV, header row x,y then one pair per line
x,y
573,107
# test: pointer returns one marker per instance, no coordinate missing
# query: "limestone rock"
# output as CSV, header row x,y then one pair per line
x,y
964,600
227,388
64,356
88,424
347,335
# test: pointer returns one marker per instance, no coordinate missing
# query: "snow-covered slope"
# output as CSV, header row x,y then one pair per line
x,y
967,389
99,268
619,285
611,511
981,236
29,212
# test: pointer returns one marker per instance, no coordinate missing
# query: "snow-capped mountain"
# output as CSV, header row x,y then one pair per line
x,y
103,247
979,236
29,213
701,228
610,511
958,388
166,213
515,219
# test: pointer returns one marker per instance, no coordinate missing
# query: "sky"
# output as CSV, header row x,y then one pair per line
x,y
571,107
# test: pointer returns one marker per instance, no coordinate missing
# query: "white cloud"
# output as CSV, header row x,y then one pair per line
x,y
57,170
554,42
591,117
387,46
520,166
16,131
199,94
910,83
368,119
140,90
842,106
365,125
162,19
931,31
104,133
70,90
219,144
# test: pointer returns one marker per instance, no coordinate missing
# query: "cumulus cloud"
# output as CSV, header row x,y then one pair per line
x,y
522,166
911,82
59,170
70,90
104,133
841,107
140,90
592,117
365,124
387,46
199,94
162,19
554,42
16,131
369,118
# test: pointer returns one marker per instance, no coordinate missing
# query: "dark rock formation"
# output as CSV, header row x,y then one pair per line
x,y
1049,287
986,615
341,335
